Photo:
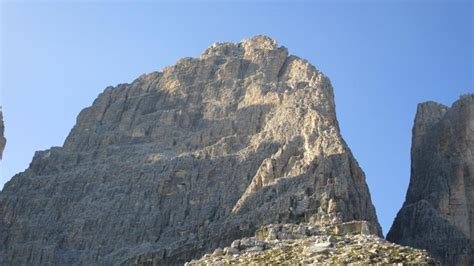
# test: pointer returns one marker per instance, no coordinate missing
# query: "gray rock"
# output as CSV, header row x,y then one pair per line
x,y
353,227
231,251
186,160
218,252
438,213
272,234
247,242
323,247
331,239
235,244
282,245
259,243
3,140
254,249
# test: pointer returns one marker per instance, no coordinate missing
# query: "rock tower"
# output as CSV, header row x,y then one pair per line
x,y
438,213
182,161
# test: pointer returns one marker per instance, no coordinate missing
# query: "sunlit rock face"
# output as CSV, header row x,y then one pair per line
x,y
438,213
183,161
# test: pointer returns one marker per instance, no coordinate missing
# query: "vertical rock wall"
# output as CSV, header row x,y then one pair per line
x,y
438,213
183,161
3,140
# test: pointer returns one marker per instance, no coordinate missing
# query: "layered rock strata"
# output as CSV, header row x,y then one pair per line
x,y
183,161
438,213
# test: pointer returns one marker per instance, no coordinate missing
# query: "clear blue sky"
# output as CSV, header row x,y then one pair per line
x,y
383,59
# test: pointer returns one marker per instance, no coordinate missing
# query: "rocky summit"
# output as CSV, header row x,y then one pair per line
x,y
438,213
183,161
304,244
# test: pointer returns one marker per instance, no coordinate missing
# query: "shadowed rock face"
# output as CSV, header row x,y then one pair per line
x,y
438,213
183,161
3,140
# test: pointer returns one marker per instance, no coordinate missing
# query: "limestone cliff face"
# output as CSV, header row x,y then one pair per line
x,y
183,161
438,213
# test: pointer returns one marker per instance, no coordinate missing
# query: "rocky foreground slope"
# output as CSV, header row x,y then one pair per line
x,y
305,244
438,213
183,161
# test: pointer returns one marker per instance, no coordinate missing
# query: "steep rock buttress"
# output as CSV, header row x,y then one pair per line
x,y
183,161
438,213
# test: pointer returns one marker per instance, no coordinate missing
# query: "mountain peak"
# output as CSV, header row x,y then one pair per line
x,y
260,42
182,161
245,47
